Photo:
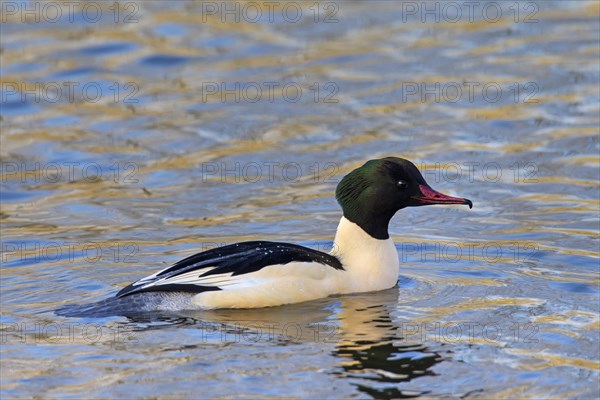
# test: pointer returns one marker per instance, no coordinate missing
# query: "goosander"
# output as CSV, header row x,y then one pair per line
x,y
263,274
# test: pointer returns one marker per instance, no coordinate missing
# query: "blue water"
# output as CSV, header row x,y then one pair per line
x,y
192,141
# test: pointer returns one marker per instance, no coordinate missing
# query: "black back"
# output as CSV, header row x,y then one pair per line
x,y
239,258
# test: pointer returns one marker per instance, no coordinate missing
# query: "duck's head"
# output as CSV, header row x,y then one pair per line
x,y
371,195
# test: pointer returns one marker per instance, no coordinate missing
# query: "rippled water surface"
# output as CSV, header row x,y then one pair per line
x,y
135,148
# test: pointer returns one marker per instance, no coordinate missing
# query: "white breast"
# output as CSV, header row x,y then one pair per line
x,y
372,264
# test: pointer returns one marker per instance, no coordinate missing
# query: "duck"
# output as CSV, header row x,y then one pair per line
x,y
256,274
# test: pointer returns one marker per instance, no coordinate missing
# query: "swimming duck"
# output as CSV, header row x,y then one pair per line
x,y
262,273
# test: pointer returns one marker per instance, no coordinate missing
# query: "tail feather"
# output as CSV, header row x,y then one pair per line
x,y
132,304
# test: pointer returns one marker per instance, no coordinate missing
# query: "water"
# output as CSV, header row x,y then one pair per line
x,y
155,160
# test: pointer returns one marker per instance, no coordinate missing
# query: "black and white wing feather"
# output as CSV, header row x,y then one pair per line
x,y
220,267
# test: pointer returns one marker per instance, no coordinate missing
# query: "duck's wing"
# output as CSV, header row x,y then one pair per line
x,y
220,267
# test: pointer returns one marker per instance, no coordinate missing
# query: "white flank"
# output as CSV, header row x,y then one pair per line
x,y
369,264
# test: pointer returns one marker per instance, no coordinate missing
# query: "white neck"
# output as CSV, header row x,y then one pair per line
x,y
371,264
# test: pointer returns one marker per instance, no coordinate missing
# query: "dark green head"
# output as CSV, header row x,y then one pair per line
x,y
371,195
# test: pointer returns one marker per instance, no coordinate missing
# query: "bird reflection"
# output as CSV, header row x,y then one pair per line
x,y
359,330
372,354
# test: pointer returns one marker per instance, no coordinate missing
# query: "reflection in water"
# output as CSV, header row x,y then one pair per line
x,y
384,360
386,364
372,354
526,257
363,340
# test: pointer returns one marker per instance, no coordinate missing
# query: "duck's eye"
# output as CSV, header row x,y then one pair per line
x,y
402,184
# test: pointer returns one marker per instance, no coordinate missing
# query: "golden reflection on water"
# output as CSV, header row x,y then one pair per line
x,y
174,210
